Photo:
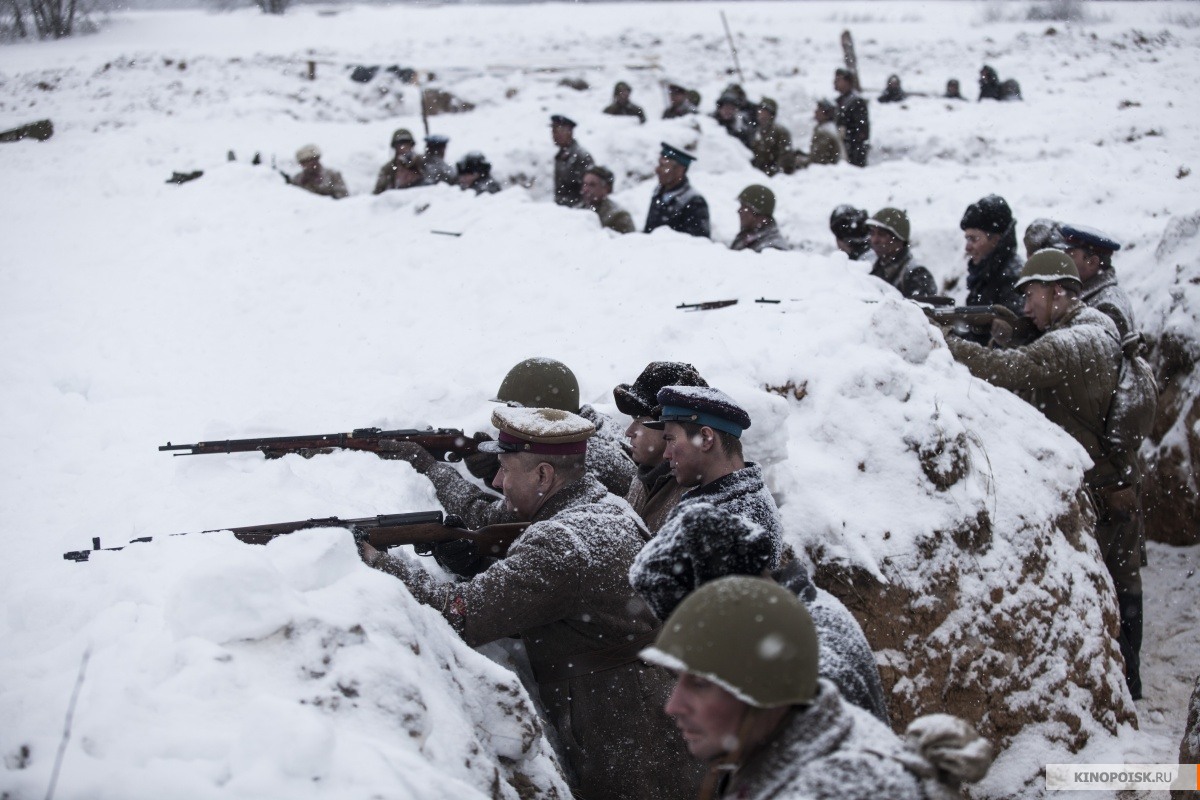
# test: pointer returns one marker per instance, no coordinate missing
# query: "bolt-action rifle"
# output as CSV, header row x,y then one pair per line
x,y
423,529
444,444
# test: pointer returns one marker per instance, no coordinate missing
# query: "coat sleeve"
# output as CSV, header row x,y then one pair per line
x,y
694,218
459,496
1033,366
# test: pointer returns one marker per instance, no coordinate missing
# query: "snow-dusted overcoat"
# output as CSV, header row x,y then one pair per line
x,y
1069,374
563,589
570,163
993,279
903,272
326,182
826,146
767,237
614,217
854,121
654,494
1103,293
681,209
833,749
772,149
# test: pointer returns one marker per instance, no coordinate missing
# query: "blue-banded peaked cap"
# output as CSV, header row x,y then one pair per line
x,y
677,155
702,405
1079,235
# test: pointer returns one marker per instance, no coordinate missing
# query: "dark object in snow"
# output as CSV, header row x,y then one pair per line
x,y
444,444
41,130
363,74
992,88
184,177
419,528
1189,745
707,305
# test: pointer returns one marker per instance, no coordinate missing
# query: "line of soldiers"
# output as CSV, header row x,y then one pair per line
x,y
632,529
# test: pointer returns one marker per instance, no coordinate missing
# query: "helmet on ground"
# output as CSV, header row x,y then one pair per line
x,y
540,383
758,199
1049,266
749,635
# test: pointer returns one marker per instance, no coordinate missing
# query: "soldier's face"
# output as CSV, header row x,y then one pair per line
x,y
311,165
562,134
403,148
883,243
1087,264
647,445
979,244
841,85
706,715
676,96
1039,304
522,479
670,173
688,454
593,190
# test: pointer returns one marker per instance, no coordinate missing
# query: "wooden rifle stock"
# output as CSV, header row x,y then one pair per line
x,y
444,444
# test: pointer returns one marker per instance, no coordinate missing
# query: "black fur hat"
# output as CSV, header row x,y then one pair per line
x,y
990,214
639,398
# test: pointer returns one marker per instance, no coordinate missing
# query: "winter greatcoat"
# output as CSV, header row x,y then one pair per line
x,y
1103,293
613,217
570,163
412,163
653,494
855,123
626,109
993,281
826,146
681,109
832,749
905,274
681,209
772,149
767,237
562,589
327,182
436,170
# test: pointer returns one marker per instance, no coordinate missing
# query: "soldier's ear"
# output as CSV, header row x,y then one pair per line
x,y
708,437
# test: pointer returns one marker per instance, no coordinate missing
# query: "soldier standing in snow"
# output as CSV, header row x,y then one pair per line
x,y
751,705
680,105
435,169
654,491
990,236
889,233
594,194
405,170
1070,375
849,227
853,118
570,162
1092,252
316,178
771,143
674,202
475,172
756,215
621,105
826,146
731,116
562,589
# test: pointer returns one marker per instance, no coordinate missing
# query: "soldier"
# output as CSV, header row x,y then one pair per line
x,y
316,178
849,227
827,146
1070,375
570,162
894,92
562,589
853,118
436,169
751,705
756,215
475,172
621,105
1041,234
990,236
992,88
953,90
894,263
594,194
680,105
772,144
733,118
406,169
654,491
674,202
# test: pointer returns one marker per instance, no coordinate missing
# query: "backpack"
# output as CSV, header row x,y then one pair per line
x,y
1135,401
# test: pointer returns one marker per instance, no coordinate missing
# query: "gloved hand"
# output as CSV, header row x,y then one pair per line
x,y
408,451
483,465
460,558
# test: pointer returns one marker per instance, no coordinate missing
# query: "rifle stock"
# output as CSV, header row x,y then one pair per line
x,y
444,444
382,532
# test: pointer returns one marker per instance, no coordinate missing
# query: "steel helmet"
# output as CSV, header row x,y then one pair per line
x,y
1049,266
750,636
540,383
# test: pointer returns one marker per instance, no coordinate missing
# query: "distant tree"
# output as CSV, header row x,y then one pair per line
x,y
50,19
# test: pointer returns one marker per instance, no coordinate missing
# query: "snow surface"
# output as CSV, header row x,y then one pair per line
x,y
136,312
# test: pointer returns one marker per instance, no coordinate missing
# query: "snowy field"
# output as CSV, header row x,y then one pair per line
x,y
134,312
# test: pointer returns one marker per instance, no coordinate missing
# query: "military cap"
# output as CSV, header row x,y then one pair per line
x,y
559,119
603,173
1079,236
639,398
767,104
848,222
827,105
892,220
843,72
310,152
437,140
693,97
758,199
677,155
474,163
729,99
990,214
622,86
675,87
401,136
1049,266
702,405
546,431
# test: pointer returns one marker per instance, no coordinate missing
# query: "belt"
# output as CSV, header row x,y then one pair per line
x,y
593,661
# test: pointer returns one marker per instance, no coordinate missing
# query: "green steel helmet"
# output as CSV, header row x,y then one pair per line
x,y
758,199
750,636
402,135
540,383
768,104
1049,266
892,220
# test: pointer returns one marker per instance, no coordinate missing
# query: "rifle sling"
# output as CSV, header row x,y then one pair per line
x,y
593,661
